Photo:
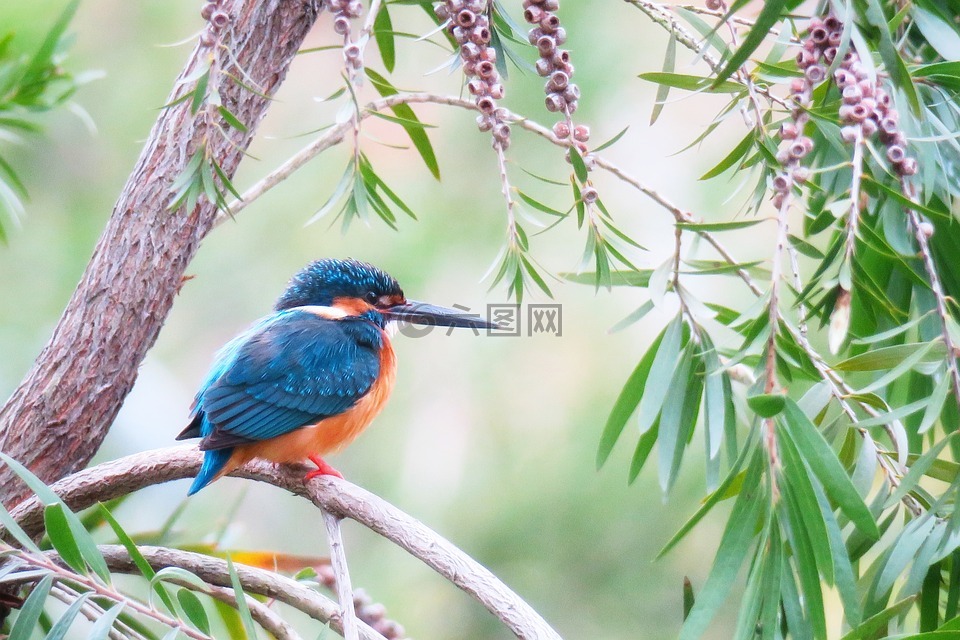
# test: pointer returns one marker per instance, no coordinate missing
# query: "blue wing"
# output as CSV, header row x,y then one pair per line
x,y
290,370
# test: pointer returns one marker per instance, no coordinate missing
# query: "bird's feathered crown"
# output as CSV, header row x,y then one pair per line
x,y
320,282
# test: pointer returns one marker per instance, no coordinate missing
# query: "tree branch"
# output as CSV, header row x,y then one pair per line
x,y
56,419
336,496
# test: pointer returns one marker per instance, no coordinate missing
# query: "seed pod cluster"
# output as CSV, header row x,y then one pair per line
x,y
563,96
375,615
343,12
372,613
469,25
217,20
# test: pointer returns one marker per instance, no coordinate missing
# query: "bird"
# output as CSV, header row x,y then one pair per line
x,y
305,380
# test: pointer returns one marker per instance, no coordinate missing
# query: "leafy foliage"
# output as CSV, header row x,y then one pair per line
x,y
30,85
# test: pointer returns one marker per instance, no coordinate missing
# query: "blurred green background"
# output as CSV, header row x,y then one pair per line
x,y
490,441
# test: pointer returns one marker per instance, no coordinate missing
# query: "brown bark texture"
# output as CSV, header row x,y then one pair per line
x,y
58,416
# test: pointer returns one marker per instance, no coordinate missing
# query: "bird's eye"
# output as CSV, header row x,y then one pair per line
x,y
372,297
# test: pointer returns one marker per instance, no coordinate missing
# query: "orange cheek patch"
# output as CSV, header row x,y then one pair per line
x,y
352,306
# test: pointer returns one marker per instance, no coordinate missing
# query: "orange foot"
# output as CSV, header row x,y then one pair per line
x,y
323,469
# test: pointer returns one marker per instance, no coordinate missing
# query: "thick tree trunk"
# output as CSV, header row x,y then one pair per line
x,y
56,419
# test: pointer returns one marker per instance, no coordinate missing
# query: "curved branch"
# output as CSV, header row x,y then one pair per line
x,y
123,476
56,419
214,571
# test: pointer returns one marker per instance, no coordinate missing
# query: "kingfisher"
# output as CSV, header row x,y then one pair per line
x,y
307,379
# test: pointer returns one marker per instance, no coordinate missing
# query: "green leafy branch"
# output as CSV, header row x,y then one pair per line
x,y
30,85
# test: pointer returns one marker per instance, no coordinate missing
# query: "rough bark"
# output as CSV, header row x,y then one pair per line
x,y
56,419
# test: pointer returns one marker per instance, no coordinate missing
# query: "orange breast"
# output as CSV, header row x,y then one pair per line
x,y
330,434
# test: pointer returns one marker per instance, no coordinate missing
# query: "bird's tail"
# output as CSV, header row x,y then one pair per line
x,y
213,463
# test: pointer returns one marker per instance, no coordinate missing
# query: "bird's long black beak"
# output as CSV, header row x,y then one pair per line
x,y
423,313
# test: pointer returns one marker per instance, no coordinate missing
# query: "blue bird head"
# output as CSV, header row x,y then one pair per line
x,y
323,282
362,289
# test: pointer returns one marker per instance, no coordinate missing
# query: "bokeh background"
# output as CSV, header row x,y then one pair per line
x,y
490,441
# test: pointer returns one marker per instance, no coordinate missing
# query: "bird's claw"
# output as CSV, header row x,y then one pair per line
x,y
323,469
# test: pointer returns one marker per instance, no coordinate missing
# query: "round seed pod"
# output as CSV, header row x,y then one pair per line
x,y
849,134
208,10
441,12
926,229
852,94
501,131
354,9
589,195
219,19
797,150
789,131
818,35
571,93
778,199
551,5
560,35
480,35
533,14
815,73
546,45
869,126
554,102
581,133
486,104
781,183
562,130
484,123
896,153
543,67
832,23
341,25
559,81
496,91
486,69
351,52
550,23
800,174
908,167
466,19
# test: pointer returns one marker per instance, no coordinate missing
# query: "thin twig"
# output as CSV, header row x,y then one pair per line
x,y
338,561
941,299
853,214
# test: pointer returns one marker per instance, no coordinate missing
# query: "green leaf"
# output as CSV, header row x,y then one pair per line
x,y
941,35
663,91
242,607
59,630
817,452
404,122
539,206
734,546
627,402
691,83
674,424
29,616
704,227
138,558
15,530
769,16
417,135
231,119
61,537
200,92
889,357
878,623
661,372
722,492
634,278
104,624
738,152
606,145
43,58
193,609
383,32
766,405
579,168
642,452
918,469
